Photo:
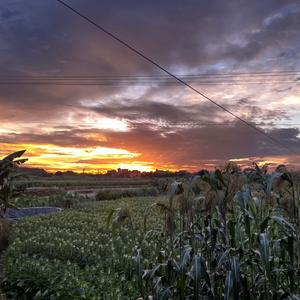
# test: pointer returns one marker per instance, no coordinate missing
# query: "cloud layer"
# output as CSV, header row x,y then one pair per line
x,y
168,125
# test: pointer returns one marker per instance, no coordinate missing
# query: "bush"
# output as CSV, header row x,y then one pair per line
x,y
63,200
129,193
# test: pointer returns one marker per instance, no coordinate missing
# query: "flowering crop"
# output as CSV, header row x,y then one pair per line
x,y
73,255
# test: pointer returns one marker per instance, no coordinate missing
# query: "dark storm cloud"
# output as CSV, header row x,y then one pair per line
x,y
67,138
191,145
43,38
176,114
149,110
277,33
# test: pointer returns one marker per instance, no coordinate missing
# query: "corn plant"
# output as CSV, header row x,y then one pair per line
x,y
243,248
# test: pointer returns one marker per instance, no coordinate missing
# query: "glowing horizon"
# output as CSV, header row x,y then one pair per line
x,y
52,158
77,100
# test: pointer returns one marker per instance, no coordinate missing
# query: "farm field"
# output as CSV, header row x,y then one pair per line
x,y
84,181
181,245
149,150
74,254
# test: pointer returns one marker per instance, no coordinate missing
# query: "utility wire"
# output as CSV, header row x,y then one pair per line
x,y
143,80
273,77
146,84
227,74
167,124
133,49
251,78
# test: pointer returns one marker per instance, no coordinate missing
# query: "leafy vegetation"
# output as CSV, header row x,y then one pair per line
x,y
126,193
228,234
7,179
84,181
240,248
8,191
62,199
75,255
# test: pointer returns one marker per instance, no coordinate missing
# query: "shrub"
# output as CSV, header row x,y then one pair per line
x,y
63,200
129,193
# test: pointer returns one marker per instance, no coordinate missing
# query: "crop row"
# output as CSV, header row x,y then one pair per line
x,y
237,239
75,255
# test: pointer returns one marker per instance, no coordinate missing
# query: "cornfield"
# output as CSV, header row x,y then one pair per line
x,y
238,241
227,234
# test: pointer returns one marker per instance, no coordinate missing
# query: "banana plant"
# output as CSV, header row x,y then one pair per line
x,y
7,177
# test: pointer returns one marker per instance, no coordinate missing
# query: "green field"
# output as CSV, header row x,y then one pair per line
x,y
83,181
227,243
75,255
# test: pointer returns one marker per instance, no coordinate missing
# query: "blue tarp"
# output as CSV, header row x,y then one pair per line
x,y
14,214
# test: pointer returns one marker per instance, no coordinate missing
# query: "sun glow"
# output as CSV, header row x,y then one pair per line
x,y
137,166
92,159
98,159
89,152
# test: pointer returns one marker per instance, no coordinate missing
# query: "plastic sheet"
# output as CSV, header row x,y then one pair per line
x,y
14,214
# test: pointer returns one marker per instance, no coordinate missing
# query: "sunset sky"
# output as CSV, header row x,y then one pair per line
x,y
76,99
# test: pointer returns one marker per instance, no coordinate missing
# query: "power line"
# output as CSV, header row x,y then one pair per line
x,y
224,79
133,49
232,124
140,80
274,77
227,74
126,84
166,124
149,78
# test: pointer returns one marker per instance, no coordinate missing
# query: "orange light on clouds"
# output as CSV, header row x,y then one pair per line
x,y
271,161
93,159
54,158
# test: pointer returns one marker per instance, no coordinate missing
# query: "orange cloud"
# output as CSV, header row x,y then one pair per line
x,y
53,158
100,159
